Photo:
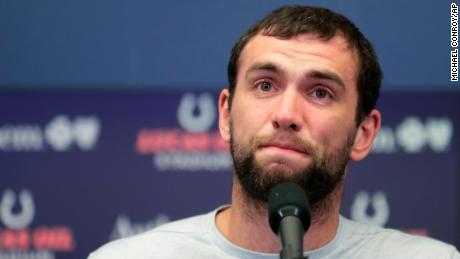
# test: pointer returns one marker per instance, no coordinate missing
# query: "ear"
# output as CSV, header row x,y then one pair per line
x,y
224,115
367,131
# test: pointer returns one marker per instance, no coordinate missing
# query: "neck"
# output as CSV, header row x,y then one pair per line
x,y
247,226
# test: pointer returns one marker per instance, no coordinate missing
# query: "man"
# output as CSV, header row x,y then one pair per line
x,y
301,103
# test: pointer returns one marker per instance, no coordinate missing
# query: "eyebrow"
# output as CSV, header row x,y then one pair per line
x,y
327,76
315,74
268,67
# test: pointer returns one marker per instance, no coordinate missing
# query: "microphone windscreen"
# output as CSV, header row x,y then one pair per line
x,y
288,199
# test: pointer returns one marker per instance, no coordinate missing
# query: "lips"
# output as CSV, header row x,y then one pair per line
x,y
285,146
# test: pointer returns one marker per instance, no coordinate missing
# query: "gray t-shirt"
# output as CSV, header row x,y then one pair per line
x,y
198,237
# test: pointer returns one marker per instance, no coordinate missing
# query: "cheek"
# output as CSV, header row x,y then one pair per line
x,y
241,126
332,133
247,119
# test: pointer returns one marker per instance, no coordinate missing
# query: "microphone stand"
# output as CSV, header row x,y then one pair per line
x,y
291,234
289,218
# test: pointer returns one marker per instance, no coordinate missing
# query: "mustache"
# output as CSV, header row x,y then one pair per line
x,y
291,139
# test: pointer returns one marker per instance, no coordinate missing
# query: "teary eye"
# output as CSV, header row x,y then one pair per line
x,y
321,93
265,86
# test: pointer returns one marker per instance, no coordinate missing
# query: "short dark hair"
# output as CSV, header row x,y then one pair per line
x,y
289,21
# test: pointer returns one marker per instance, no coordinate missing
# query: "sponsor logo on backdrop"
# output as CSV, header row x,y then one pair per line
x,y
193,146
21,241
124,227
60,134
374,209
414,135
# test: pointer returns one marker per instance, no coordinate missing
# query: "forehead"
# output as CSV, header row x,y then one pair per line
x,y
303,53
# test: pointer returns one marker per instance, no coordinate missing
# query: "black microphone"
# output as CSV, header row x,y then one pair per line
x,y
289,217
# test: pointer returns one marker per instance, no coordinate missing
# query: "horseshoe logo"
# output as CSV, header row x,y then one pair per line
x,y
196,123
379,204
21,219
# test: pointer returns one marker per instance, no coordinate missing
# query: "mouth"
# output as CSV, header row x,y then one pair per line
x,y
284,147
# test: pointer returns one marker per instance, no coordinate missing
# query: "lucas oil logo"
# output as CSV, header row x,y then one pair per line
x,y
193,146
21,241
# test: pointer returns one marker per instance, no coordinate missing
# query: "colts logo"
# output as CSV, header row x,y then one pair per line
x,y
21,219
378,204
196,122
22,242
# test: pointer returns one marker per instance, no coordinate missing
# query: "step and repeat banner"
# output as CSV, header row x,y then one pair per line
x,y
78,169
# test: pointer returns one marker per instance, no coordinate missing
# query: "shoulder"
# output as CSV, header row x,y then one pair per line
x,y
394,243
161,242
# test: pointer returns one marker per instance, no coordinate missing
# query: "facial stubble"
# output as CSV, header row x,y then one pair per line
x,y
320,178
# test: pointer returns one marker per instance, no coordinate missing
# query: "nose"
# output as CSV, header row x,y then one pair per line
x,y
288,114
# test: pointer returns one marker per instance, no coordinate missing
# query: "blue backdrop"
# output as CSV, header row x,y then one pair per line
x,y
181,44
108,119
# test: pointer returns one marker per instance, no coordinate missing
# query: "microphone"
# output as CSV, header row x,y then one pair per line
x,y
289,217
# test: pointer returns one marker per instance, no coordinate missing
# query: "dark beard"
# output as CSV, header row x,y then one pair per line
x,y
319,179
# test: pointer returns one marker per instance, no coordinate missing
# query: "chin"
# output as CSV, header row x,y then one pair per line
x,y
280,169
282,166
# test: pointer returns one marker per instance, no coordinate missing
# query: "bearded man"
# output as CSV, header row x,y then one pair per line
x,y
303,83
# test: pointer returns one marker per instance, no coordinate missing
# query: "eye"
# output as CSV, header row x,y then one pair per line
x,y
321,93
265,86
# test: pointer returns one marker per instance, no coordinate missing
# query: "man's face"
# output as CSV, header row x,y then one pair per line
x,y
293,114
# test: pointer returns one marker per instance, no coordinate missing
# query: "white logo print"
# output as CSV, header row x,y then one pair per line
x,y
196,123
61,133
125,228
21,219
413,136
86,131
439,133
378,203
21,138
410,134
385,141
